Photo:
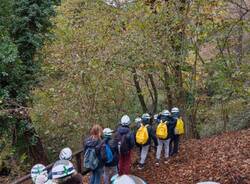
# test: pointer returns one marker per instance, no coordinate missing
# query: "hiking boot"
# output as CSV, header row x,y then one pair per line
x,y
141,166
157,163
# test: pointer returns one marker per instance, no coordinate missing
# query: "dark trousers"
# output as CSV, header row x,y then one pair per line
x,y
174,145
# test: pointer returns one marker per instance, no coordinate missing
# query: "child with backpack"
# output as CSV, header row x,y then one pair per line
x,y
125,145
109,154
178,130
92,156
163,134
143,137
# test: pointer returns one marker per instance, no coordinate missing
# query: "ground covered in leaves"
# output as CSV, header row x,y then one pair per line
x,y
224,158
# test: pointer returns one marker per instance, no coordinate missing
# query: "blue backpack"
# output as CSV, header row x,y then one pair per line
x,y
106,153
90,159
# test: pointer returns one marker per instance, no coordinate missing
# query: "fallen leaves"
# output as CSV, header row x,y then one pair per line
x,y
224,159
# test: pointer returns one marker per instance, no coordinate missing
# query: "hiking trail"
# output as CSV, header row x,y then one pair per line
x,y
223,158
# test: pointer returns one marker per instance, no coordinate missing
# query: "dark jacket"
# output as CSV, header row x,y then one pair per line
x,y
171,123
113,143
96,144
125,130
171,126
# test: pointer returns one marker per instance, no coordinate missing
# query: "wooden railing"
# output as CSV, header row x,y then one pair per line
x,y
78,156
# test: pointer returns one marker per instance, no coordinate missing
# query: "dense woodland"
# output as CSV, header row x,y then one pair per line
x,y
65,66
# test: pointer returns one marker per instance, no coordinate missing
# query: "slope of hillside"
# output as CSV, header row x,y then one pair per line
x,y
224,158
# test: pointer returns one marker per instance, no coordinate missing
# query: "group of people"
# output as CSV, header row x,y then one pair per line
x,y
107,152
62,172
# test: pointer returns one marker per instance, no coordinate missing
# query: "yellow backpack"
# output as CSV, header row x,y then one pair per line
x,y
179,128
142,135
162,130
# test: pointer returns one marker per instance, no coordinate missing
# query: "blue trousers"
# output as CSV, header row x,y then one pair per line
x,y
96,175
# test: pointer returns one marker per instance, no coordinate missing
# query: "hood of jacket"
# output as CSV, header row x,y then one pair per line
x,y
91,142
123,130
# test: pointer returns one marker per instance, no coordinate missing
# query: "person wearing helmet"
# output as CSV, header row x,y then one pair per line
x,y
93,144
127,179
164,142
174,142
157,118
43,179
38,169
125,144
138,122
151,135
65,154
63,172
110,166
156,121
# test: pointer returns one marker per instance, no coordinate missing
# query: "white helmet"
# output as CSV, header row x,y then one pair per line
x,y
208,182
124,179
174,110
125,120
62,168
138,120
41,179
38,169
156,116
131,179
145,116
65,154
107,132
165,113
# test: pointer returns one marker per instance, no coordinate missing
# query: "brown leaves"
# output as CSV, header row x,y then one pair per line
x,y
223,158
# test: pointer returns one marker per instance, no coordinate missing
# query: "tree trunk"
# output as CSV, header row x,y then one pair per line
x,y
167,88
225,117
155,102
239,46
193,122
139,91
178,41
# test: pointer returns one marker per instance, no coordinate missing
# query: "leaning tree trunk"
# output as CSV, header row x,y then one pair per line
x,y
155,93
139,91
